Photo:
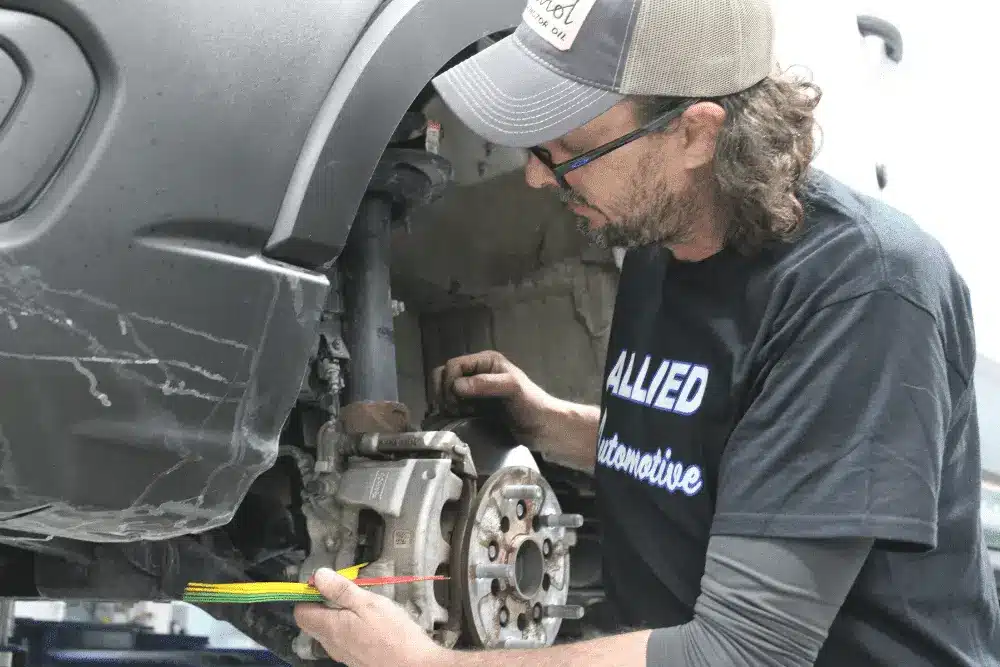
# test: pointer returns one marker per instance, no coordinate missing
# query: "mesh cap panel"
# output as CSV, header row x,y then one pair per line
x,y
698,48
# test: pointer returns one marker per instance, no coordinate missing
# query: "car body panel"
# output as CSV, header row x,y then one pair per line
x,y
158,309
149,353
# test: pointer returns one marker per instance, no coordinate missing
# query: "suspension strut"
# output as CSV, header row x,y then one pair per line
x,y
404,179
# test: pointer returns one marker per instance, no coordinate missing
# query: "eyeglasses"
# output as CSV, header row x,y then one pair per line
x,y
560,170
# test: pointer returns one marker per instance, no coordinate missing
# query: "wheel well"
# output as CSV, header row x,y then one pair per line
x,y
387,73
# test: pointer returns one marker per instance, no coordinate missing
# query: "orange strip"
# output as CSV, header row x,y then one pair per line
x,y
382,581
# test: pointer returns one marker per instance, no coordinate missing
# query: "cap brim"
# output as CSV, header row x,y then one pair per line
x,y
507,97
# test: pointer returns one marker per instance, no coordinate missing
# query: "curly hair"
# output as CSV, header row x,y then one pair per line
x,y
763,151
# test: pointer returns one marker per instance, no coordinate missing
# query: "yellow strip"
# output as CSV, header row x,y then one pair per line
x,y
265,587
352,571
249,588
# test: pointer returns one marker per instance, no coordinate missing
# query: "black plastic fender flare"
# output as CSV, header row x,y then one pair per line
x,y
403,48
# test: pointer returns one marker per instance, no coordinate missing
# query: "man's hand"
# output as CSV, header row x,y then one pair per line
x,y
368,630
364,629
489,375
560,431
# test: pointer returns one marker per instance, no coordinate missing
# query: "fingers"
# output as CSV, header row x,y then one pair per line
x,y
314,620
450,381
437,386
494,385
329,627
338,589
438,391
317,620
489,361
325,625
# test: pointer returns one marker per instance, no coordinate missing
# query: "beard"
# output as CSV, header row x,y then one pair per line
x,y
647,214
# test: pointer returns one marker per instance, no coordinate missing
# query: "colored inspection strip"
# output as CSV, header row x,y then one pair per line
x,y
285,591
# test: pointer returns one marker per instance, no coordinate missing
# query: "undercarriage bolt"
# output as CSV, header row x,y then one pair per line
x,y
573,611
560,520
503,617
522,492
547,548
517,642
521,509
494,571
493,550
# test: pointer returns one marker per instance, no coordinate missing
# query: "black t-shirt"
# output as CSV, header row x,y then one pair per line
x,y
820,388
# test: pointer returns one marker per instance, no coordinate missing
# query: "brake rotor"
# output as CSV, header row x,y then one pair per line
x,y
516,563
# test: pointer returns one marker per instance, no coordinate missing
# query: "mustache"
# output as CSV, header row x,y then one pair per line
x,y
570,197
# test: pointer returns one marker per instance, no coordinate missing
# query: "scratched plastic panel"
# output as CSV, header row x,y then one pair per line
x,y
149,356
121,409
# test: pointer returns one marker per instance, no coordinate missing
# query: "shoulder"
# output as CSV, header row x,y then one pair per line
x,y
853,245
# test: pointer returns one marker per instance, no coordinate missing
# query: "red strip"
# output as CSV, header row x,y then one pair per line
x,y
382,581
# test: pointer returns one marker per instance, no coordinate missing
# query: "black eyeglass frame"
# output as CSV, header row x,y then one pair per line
x,y
560,170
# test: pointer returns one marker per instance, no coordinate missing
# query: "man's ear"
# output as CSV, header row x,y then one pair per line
x,y
700,125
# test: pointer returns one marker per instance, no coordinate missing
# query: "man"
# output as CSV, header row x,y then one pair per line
x,y
786,451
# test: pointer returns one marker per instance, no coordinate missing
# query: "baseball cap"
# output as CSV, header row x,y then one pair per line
x,y
569,61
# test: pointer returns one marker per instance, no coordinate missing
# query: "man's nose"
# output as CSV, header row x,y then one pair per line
x,y
537,175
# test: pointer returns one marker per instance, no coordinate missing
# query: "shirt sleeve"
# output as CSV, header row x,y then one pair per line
x,y
845,431
763,602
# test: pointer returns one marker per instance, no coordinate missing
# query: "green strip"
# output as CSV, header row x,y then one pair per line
x,y
223,598
246,601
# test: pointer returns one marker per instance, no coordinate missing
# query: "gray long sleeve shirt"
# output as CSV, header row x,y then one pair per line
x,y
764,602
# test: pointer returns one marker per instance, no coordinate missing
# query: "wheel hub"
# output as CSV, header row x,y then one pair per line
x,y
517,561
